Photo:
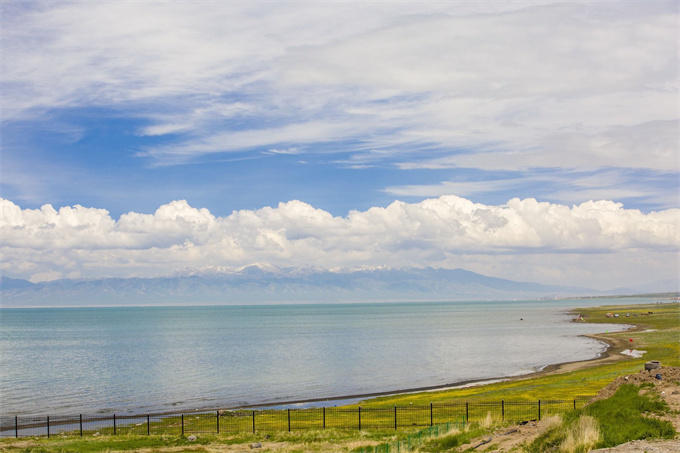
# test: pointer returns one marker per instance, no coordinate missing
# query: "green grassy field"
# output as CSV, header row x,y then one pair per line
x,y
658,334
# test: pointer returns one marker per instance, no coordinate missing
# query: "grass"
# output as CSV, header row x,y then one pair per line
x,y
453,440
623,417
661,343
582,435
606,423
106,443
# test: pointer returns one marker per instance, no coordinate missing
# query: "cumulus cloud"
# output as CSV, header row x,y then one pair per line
x,y
440,232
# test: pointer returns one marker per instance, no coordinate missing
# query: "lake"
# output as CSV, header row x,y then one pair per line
x,y
59,361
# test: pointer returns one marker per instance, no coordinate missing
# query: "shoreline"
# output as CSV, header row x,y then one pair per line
x,y
607,356
613,353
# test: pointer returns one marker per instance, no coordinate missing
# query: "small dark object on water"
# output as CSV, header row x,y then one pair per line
x,y
658,376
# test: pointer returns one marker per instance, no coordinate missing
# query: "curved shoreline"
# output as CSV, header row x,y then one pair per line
x,y
614,344
611,354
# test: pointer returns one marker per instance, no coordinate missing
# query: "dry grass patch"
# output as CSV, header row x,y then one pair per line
x,y
549,423
581,437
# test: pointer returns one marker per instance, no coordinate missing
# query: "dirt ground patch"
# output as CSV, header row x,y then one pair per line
x,y
644,446
509,438
668,388
669,375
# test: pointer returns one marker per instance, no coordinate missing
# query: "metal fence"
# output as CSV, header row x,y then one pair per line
x,y
413,441
269,420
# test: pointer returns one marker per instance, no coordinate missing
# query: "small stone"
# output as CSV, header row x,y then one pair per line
x,y
256,445
191,438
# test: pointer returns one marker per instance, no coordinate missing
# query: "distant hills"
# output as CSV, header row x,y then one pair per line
x,y
262,284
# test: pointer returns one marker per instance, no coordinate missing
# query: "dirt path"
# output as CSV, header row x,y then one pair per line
x,y
668,389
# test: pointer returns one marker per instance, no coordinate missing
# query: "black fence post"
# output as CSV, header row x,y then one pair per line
x,y
359,418
288,419
395,416
81,425
574,403
218,422
16,426
324,417
182,425
431,415
539,410
114,424
253,422
503,410
467,412
48,426
148,425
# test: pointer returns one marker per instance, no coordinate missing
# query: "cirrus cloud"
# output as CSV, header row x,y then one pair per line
x,y
585,85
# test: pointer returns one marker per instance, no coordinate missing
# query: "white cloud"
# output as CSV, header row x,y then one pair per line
x,y
505,85
465,189
292,150
299,133
558,186
509,86
440,232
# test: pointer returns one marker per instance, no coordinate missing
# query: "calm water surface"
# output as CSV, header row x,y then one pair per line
x,y
88,360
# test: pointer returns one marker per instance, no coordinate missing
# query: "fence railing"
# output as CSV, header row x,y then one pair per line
x,y
413,441
269,420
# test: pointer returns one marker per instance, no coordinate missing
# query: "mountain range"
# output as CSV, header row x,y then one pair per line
x,y
264,284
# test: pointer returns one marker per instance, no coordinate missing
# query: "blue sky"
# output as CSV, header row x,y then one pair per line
x,y
345,107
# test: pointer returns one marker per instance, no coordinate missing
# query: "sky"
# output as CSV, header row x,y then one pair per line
x,y
535,141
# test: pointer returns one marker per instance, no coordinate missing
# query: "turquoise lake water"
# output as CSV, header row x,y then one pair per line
x,y
62,361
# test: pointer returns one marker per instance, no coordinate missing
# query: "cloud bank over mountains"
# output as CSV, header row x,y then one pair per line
x,y
521,240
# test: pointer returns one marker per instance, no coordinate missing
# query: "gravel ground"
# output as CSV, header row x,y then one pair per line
x,y
644,446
